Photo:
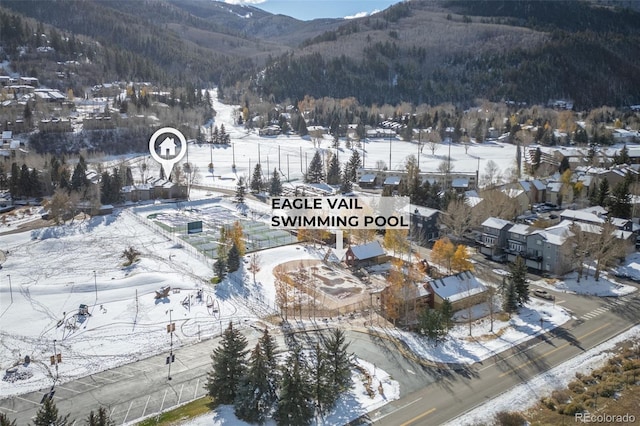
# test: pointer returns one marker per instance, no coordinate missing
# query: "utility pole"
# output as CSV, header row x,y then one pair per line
x,y
56,358
233,154
170,329
95,284
10,289
389,152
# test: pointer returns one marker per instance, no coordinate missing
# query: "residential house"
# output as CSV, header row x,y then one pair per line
x,y
365,255
494,237
424,228
461,290
367,181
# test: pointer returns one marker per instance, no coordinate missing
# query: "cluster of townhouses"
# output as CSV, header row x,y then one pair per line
x,y
548,250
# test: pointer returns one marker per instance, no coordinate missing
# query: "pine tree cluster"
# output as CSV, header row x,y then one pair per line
x,y
292,392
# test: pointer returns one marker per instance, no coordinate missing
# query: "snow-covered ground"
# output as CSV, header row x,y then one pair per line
x,y
460,348
606,286
291,154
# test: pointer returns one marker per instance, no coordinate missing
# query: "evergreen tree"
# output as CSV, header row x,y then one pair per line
x,y
47,415
275,186
602,194
256,394
228,367
320,380
14,181
241,191
518,277
346,185
128,177
4,420
257,182
351,168
79,176
116,186
25,181
35,183
564,165
432,325
220,267
101,418
339,366
333,172
510,298
295,407
447,314
315,173
105,188
620,201
233,261
269,347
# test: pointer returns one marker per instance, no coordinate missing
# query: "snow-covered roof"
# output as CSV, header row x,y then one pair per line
x,y
368,178
581,215
513,193
554,186
460,183
457,287
392,180
419,210
526,185
472,198
7,134
597,210
540,186
497,223
367,251
520,229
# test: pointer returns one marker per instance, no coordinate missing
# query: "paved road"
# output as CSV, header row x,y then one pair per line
x,y
597,321
141,389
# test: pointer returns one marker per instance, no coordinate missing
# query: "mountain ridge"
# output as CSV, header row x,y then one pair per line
x,y
415,51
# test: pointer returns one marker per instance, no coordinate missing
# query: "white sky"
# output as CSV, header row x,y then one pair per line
x,y
306,10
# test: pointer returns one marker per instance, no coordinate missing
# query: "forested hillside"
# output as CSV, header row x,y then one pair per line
x,y
526,51
416,51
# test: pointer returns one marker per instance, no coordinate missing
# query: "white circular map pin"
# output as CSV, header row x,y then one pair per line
x,y
167,156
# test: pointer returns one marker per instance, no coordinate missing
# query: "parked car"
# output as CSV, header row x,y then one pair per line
x,y
543,294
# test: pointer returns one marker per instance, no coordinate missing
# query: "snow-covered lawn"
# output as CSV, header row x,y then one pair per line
x,y
460,348
352,405
606,286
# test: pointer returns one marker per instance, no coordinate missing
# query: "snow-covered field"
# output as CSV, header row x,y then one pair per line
x,y
291,154
606,286
460,348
